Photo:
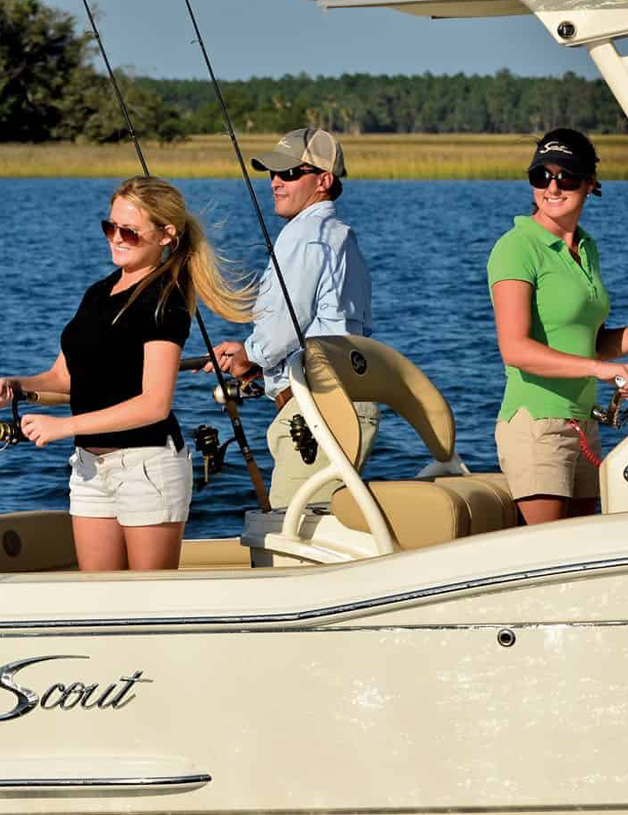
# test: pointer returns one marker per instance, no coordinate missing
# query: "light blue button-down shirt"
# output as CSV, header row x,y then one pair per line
x,y
329,286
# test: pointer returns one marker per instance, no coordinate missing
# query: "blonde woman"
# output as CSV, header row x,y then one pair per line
x,y
131,481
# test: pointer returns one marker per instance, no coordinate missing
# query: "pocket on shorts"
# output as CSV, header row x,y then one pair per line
x,y
151,474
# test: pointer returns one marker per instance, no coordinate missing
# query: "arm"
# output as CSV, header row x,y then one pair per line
x,y
56,379
303,264
161,363
512,304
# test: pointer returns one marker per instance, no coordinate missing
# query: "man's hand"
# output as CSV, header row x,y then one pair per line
x,y
6,392
232,359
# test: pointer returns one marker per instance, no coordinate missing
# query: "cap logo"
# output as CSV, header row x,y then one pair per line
x,y
284,143
554,147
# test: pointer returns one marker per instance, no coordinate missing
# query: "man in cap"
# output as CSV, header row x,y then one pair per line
x,y
329,286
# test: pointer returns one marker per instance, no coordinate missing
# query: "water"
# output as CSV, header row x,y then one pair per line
x,y
426,243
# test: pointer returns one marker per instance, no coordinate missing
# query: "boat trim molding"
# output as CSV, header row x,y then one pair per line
x,y
24,784
305,615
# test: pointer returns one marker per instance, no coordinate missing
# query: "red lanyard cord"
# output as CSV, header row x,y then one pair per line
x,y
584,444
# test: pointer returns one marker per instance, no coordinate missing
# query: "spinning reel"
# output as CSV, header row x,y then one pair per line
x,y
237,391
206,438
11,432
304,441
206,442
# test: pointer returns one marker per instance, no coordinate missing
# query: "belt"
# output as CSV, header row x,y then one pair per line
x,y
283,397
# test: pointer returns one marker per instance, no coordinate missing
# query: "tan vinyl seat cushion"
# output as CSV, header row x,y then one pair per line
x,y
449,507
443,513
497,488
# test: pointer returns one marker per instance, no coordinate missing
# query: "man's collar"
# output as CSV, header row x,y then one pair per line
x,y
314,208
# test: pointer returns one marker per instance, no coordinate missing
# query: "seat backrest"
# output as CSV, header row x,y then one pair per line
x,y
346,369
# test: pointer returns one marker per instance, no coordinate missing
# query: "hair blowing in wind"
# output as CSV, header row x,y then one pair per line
x,y
191,265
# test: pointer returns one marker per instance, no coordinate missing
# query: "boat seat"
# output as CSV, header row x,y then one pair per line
x,y
448,508
500,495
338,371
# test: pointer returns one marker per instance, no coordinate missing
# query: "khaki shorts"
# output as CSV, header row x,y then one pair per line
x,y
543,457
140,486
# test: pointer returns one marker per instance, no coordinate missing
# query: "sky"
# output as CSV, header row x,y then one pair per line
x,y
247,38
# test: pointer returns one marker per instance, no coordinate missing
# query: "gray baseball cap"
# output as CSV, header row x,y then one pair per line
x,y
309,145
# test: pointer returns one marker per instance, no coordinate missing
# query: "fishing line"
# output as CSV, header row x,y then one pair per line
x,y
247,179
116,88
230,405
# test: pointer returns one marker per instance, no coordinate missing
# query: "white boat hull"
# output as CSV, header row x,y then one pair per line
x,y
491,674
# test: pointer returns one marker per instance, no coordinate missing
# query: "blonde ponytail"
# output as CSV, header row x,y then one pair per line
x,y
191,264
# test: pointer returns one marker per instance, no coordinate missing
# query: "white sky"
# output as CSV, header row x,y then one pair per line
x,y
247,38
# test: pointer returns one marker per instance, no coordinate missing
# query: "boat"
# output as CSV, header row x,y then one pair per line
x,y
405,649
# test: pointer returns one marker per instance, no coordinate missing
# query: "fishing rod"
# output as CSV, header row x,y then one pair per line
x,y
247,179
230,405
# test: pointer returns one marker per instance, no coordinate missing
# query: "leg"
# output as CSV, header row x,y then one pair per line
x,y
154,547
153,502
538,509
290,471
539,458
368,416
100,544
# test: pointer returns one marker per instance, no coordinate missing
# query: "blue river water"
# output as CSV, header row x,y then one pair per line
x,y
426,243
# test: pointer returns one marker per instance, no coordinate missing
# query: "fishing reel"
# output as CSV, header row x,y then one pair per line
x,y
612,416
304,441
207,443
11,432
206,438
237,391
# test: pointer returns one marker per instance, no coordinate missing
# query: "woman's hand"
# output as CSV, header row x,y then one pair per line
x,y
42,429
607,371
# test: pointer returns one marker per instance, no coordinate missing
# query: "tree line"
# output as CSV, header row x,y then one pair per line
x,y
50,90
362,103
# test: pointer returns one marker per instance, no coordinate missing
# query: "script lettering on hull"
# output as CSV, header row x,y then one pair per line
x,y
63,696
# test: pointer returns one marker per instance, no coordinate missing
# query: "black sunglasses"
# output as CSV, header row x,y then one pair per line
x,y
294,173
541,178
127,233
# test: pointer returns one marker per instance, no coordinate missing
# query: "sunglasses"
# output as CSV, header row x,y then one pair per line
x,y
541,178
127,233
294,173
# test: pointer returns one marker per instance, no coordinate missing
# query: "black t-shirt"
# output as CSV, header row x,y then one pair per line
x,y
106,360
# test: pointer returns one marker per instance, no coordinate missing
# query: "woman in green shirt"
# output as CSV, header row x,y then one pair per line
x,y
550,306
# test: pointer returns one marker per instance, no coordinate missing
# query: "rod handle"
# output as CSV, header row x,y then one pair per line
x,y
47,398
193,363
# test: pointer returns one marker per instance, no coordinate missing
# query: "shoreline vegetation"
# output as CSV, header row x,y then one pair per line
x,y
370,156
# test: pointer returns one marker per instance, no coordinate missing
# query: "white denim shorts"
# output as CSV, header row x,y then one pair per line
x,y
140,486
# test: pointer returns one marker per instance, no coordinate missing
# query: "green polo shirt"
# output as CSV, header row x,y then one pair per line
x,y
569,304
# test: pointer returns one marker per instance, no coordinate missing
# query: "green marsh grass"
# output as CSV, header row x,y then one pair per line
x,y
399,156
